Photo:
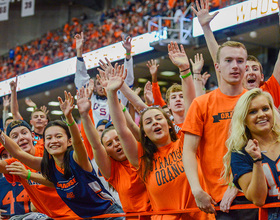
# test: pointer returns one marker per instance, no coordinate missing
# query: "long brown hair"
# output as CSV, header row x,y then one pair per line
x,y
148,146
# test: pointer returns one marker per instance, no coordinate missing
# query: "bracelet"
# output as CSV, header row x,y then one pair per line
x,y
28,175
185,70
231,184
124,109
198,79
128,54
185,76
260,159
69,125
35,107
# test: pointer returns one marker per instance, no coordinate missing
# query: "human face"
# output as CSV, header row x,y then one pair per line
x,y
39,120
176,102
56,141
100,129
156,127
23,137
113,146
99,88
5,155
259,119
232,65
253,76
167,111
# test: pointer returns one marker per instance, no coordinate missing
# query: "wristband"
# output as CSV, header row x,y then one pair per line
x,y
260,159
231,184
185,76
185,70
128,54
124,109
28,175
69,125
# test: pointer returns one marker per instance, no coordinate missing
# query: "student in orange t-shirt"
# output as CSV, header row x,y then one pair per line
x,y
41,196
253,77
206,130
158,158
112,161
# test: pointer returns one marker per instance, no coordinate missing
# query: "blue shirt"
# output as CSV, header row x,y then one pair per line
x,y
242,164
83,192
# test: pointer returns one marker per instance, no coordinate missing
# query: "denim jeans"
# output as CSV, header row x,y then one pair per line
x,y
274,214
115,208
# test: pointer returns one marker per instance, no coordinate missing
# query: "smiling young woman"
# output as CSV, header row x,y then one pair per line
x,y
254,148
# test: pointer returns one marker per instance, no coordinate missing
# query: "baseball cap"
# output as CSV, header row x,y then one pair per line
x,y
15,124
102,122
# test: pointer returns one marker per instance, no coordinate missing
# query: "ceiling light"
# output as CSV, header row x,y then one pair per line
x,y
53,103
162,83
142,80
30,109
56,112
167,73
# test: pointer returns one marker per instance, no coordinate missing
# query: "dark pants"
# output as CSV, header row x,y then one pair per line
x,y
244,214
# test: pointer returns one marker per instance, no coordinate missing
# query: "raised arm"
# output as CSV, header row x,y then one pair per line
x,y
276,70
103,79
6,105
203,200
199,80
180,59
14,101
153,68
127,139
100,155
81,75
204,18
80,154
13,148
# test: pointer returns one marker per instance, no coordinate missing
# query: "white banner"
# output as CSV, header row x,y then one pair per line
x,y
27,8
238,14
4,10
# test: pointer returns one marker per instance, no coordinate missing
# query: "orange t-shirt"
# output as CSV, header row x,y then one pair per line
x,y
209,117
132,191
158,100
167,183
272,86
45,199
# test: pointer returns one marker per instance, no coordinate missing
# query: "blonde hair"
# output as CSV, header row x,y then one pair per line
x,y
174,88
239,132
229,44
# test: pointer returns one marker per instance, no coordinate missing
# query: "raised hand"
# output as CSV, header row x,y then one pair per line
x,y
17,168
44,109
153,66
198,63
148,93
6,102
178,56
137,90
83,101
205,76
29,102
202,12
68,105
106,67
116,79
253,149
91,87
79,40
13,84
127,44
